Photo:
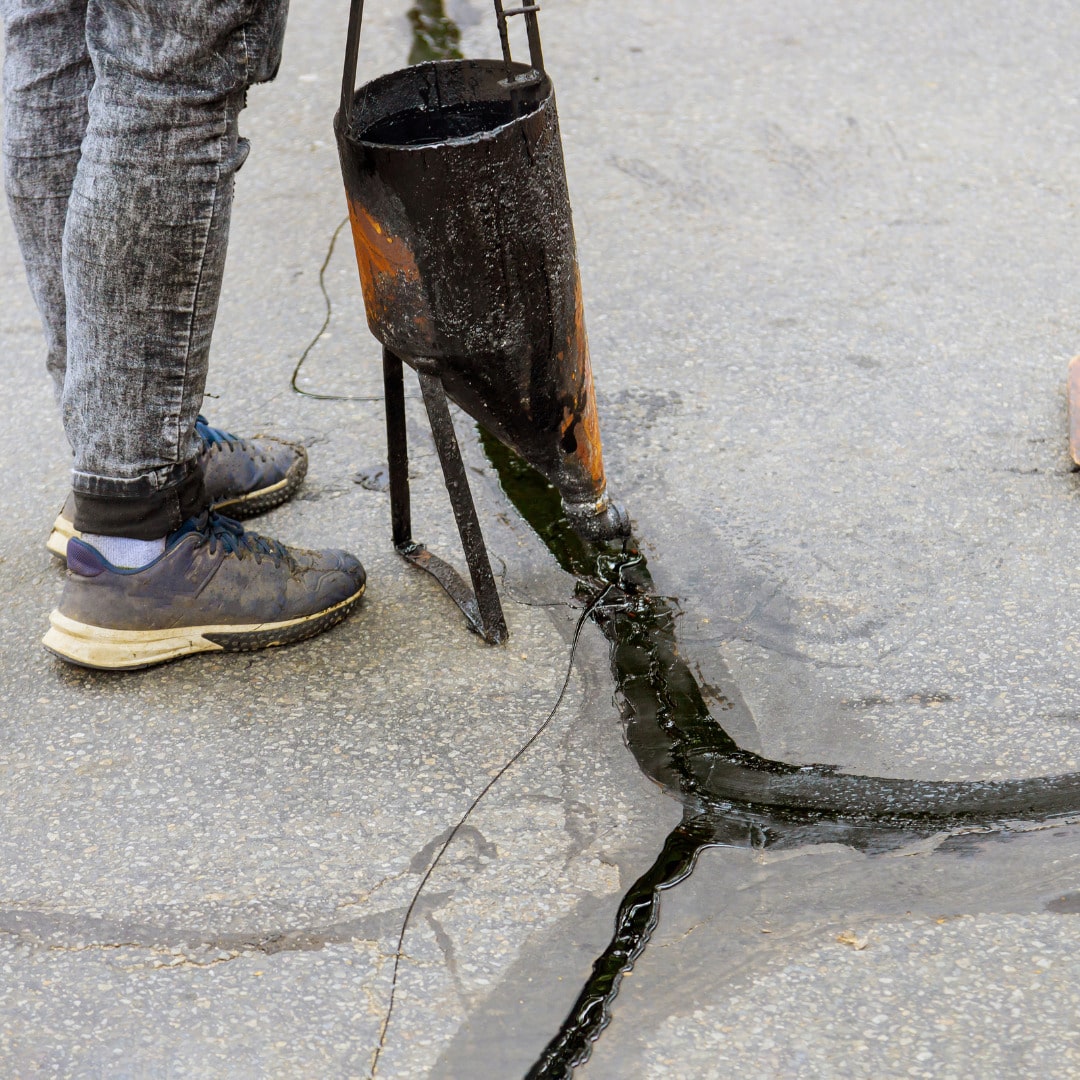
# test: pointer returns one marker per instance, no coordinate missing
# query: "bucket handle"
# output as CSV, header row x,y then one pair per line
x,y
352,51
529,9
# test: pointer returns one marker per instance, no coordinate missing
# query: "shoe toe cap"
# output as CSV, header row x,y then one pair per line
x,y
338,574
352,566
349,566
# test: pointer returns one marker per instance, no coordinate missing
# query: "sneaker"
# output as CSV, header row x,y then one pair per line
x,y
216,587
243,477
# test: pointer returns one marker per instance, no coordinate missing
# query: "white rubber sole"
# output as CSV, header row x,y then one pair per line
x,y
62,531
126,650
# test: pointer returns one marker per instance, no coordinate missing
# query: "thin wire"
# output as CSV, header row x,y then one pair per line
x,y
322,330
589,609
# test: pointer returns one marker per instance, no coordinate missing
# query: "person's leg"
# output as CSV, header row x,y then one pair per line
x,y
242,477
144,253
47,78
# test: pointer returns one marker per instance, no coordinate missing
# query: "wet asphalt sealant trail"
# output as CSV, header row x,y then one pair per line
x,y
731,797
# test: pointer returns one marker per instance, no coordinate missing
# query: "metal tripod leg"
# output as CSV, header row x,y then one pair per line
x,y
397,452
480,605
492,623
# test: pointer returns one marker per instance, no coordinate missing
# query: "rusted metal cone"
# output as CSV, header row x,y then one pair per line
x,y
457,194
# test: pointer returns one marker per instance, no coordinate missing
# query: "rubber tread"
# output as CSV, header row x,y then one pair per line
x,y
102,649
259,502
250,640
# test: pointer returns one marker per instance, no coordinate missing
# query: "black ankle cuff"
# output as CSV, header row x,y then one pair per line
x,y
142,517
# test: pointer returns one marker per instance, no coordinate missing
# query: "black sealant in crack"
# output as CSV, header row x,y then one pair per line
x,y
731,797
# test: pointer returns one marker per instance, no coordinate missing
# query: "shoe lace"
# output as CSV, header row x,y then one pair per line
x,y
212,436
217,530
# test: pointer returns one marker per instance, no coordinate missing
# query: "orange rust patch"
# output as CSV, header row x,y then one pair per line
x,y
384,262
585,418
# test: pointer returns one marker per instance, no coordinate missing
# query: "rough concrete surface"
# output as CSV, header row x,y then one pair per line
x,y
830,255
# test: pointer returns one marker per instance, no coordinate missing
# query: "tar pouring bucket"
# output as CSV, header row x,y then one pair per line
x,y
461,222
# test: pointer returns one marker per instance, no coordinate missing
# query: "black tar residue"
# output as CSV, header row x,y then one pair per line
x,y
422,127
731,797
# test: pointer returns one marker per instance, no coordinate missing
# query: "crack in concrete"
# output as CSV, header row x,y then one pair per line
x,y
80,933
365,897
461,824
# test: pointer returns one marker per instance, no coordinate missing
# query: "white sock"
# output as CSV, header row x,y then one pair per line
x,y
125,551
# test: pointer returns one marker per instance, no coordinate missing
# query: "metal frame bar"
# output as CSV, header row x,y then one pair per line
x,y
532,29
480,604
352,51
457,485
398,450
352,45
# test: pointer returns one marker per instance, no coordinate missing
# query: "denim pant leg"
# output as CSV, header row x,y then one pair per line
x,y
144,241
144,252
47,77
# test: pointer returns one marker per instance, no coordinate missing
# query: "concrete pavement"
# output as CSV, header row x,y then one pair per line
x,y
829,255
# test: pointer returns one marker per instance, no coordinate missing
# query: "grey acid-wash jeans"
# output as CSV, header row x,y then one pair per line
x,y
120,147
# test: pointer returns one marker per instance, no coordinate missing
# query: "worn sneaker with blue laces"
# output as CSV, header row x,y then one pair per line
x,y
216,587
243,477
